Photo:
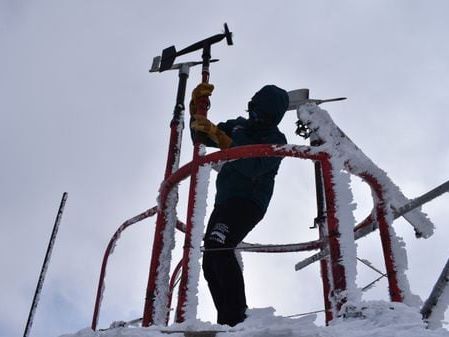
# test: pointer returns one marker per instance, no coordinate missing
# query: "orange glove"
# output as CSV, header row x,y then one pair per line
x,y
202,124
201,90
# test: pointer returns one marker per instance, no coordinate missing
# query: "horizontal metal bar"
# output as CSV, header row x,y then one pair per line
x,y
369,225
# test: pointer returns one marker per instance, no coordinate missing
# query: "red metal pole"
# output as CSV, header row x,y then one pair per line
x,y
173,278
154,274
337,268
327,290
201,109
320,222
384,230
107,253
174,150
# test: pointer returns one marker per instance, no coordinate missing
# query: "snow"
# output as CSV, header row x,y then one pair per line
x,y
378,319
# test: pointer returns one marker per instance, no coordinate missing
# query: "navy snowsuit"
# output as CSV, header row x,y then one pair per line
x,y
244,189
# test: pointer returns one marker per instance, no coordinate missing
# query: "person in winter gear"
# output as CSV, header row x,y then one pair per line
x,y
244,189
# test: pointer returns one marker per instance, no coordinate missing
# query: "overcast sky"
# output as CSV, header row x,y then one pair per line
x,y
79,112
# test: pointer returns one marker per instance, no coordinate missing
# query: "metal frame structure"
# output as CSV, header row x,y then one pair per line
x,y
375,220
333,273
160,286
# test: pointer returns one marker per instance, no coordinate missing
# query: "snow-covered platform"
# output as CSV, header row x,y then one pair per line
x,y
377,319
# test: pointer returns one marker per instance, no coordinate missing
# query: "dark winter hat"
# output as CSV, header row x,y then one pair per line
x,y
269,104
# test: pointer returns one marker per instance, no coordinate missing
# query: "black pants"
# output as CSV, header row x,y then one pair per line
x,y
229,223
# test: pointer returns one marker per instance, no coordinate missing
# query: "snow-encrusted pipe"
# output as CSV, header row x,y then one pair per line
x,y
156,301
395,254
436,305
360,164
156,289
161,293
369,224
325,266
346,219
191,232
382,213
341,237
194,268
357,162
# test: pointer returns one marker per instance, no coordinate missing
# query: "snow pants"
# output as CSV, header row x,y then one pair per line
x,y
229,223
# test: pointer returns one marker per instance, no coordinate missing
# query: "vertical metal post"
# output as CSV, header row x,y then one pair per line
x,y
396,294
176,125
45,266
320,221
202,107
173,281
337,268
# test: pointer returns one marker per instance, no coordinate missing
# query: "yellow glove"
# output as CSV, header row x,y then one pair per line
x,y
202,124
201,90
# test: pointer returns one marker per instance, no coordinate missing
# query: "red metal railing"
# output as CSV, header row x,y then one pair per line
x,y
381,209
148,213
333,283
252,151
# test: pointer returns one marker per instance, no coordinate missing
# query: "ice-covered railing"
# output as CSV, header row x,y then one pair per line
x,y
354,161
320,125
340,280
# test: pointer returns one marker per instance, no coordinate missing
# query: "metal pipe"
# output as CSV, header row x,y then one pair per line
x,y
45,266
110,247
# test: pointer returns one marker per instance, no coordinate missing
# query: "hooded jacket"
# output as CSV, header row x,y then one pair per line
x,y
253,178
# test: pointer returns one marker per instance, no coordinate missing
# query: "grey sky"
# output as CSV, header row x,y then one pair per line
x,y
79,112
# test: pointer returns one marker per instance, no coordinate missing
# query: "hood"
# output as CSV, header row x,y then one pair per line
x,y
270,104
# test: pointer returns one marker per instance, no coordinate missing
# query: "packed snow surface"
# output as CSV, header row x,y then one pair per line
x,y
376,319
